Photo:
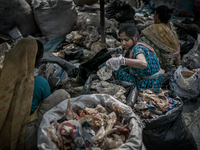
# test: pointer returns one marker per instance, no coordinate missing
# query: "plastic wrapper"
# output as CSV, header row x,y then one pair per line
x,y
152,105
115,62
130,94
159,100
112,118
104,73
100,109
70,134
103,87
55,75
113,142
53,134
100,134
135,137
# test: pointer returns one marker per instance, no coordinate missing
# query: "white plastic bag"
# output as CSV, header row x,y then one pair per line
x,y
185,83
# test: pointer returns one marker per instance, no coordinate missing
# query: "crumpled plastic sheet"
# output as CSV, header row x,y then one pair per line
x,y
103,87
67,66
183,85
191,60
134,141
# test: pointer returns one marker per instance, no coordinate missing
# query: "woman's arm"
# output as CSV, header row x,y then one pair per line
x,y
181,25
140,62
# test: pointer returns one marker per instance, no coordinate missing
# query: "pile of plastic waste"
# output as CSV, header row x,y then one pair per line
x,y
89,127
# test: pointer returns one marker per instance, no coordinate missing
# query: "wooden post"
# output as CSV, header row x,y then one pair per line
x,y
102,21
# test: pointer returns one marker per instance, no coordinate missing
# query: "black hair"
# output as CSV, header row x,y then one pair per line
x,y
129,29
164,13
40,51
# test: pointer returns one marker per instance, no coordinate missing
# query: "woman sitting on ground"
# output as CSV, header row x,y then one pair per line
x,y
21,94
41,85
162,37
140,64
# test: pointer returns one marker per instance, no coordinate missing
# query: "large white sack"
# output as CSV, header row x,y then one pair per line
x,y
134,141
185,83
55,18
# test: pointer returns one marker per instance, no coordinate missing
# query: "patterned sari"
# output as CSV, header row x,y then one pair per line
x,y
165,43
17,86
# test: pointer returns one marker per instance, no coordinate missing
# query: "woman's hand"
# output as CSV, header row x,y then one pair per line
x,y
115,62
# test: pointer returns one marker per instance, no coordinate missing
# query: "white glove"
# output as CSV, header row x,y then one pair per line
x,y
115,50
115,62
140,26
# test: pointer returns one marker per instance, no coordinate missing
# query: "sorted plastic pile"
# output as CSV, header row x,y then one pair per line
x,y
151,105
89,128
103,87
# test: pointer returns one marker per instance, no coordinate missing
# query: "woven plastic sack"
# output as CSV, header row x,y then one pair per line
x,y
134,140
55,18
185,83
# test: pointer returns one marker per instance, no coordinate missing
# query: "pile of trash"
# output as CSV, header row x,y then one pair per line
x,y
103,87
90,121
151,105
91,127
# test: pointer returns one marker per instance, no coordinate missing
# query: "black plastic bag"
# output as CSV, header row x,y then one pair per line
x,y
168,132
91,66
131,89
113,33
167,75
120,11
71,70
73,54
186,42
